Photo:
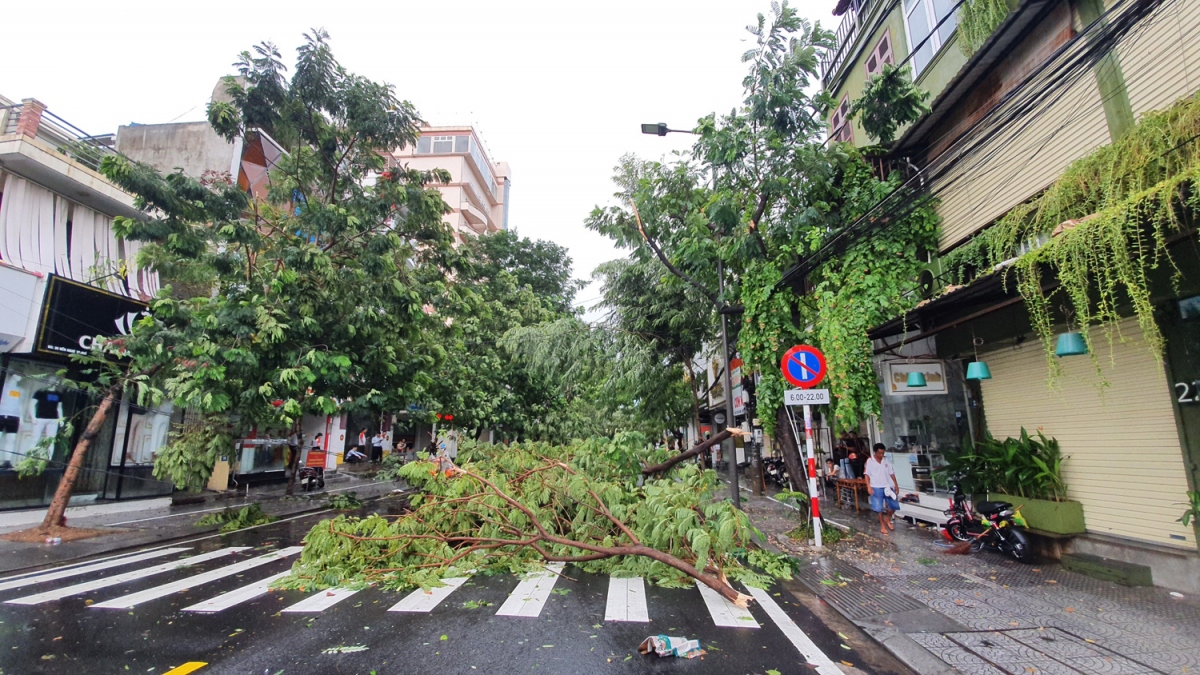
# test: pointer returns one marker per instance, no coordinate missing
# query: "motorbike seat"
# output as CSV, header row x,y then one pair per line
x,y
991,508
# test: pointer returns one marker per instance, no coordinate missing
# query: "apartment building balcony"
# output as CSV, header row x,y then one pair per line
x,y
42,147
854,13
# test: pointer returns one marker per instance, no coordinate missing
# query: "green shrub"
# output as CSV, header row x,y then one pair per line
x,y
1023,467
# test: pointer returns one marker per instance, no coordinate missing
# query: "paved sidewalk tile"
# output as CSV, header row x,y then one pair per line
x,y
992,615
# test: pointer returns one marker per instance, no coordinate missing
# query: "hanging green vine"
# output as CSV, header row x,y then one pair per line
x,y
977,20
867,285
1101,229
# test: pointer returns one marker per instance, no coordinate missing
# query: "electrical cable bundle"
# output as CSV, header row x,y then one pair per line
x,y
970,154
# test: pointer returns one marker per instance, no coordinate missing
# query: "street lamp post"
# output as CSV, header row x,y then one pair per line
x,y
730,451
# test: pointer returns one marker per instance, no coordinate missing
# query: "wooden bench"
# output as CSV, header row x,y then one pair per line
x,y
1107,569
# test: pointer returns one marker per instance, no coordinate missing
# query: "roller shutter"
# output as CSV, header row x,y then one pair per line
x,y
1126,464
1159,60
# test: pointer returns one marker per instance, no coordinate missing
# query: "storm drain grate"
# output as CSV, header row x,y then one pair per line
x,y
1020,651
852,593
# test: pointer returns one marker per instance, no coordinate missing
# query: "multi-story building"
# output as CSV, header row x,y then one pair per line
x,y
1015,101
65,279
478,190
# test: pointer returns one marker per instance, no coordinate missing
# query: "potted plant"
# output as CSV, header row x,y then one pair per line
x,y
1025,471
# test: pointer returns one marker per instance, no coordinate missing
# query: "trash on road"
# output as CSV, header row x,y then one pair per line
x,y
664,645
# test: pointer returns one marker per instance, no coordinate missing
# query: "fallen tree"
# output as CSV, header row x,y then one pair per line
x,y
511,508
696,451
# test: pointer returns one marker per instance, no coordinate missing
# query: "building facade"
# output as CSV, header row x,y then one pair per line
x,y
478,191
1018,108
65,279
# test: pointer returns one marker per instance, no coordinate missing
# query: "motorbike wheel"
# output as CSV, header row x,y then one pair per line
x,y
1018,546
958,531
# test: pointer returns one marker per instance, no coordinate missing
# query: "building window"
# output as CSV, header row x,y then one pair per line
x,y
920,16
839,125
441,145
880,55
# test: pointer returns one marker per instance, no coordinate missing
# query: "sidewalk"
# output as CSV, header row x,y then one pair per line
x,y
984,613
141,528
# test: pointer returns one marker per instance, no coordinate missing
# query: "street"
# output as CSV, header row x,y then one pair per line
x,y
145,611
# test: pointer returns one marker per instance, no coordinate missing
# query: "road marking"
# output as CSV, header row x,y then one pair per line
x,y
134,599
626,600
725,613
236,596
189,667
809,650
528,598
322,601
86,569
97,584
424,601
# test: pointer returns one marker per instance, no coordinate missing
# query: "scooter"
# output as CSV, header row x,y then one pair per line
x,y
996,525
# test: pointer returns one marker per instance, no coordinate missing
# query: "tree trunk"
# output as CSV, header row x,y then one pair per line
x,y
695,399
698,450
55,515
789,445
294,460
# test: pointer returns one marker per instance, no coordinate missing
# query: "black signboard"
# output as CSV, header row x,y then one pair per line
x,y
75,314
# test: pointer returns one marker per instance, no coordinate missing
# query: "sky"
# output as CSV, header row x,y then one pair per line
x,y
556,89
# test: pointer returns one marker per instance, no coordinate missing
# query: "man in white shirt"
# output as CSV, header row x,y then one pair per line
x,y
884,487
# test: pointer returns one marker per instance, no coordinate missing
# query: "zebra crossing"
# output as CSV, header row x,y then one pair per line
x,y
626,600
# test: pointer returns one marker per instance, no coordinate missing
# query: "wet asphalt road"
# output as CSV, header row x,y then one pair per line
x,y
463,634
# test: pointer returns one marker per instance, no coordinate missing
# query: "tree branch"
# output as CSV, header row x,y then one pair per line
x,y
663,258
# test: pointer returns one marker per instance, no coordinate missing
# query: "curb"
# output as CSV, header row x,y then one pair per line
x,y
905,650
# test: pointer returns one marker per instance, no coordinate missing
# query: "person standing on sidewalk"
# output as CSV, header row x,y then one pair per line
x,y
884,487
377,448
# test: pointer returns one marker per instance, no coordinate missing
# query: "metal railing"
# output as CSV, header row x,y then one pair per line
x,y
63,136
845,37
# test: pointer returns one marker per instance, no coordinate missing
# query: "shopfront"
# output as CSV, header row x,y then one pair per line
x,y
43,415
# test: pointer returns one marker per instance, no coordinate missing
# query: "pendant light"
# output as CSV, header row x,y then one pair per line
x,y
1070,343
916,378
978,370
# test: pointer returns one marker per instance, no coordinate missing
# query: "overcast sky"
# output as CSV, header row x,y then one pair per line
x,y
556,89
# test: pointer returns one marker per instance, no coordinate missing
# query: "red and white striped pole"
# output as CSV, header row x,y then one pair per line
x,y
812,475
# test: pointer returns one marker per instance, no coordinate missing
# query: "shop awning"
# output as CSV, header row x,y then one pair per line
x,y
958,306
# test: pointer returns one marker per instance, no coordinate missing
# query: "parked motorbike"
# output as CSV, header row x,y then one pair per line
x,y
996,525
776,471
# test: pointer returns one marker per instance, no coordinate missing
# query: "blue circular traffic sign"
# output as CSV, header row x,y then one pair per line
x,y
803,366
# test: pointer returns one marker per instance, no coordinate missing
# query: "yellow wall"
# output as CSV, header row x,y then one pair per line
x,y
1125,465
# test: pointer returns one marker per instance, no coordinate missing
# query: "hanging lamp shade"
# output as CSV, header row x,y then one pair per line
x,y
916,379
978,370
1071,344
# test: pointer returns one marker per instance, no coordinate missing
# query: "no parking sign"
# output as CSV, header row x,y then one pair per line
x,y
803,366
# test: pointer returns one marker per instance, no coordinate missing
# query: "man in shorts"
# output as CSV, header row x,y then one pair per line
x,y
884,487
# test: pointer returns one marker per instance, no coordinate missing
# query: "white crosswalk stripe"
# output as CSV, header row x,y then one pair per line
x,y
725,613
531,594
134,599
236,596
63,573
626,600
321,601
424,601
810,651
97,584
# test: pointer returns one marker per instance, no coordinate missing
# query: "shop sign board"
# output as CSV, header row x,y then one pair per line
x,y
75,314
